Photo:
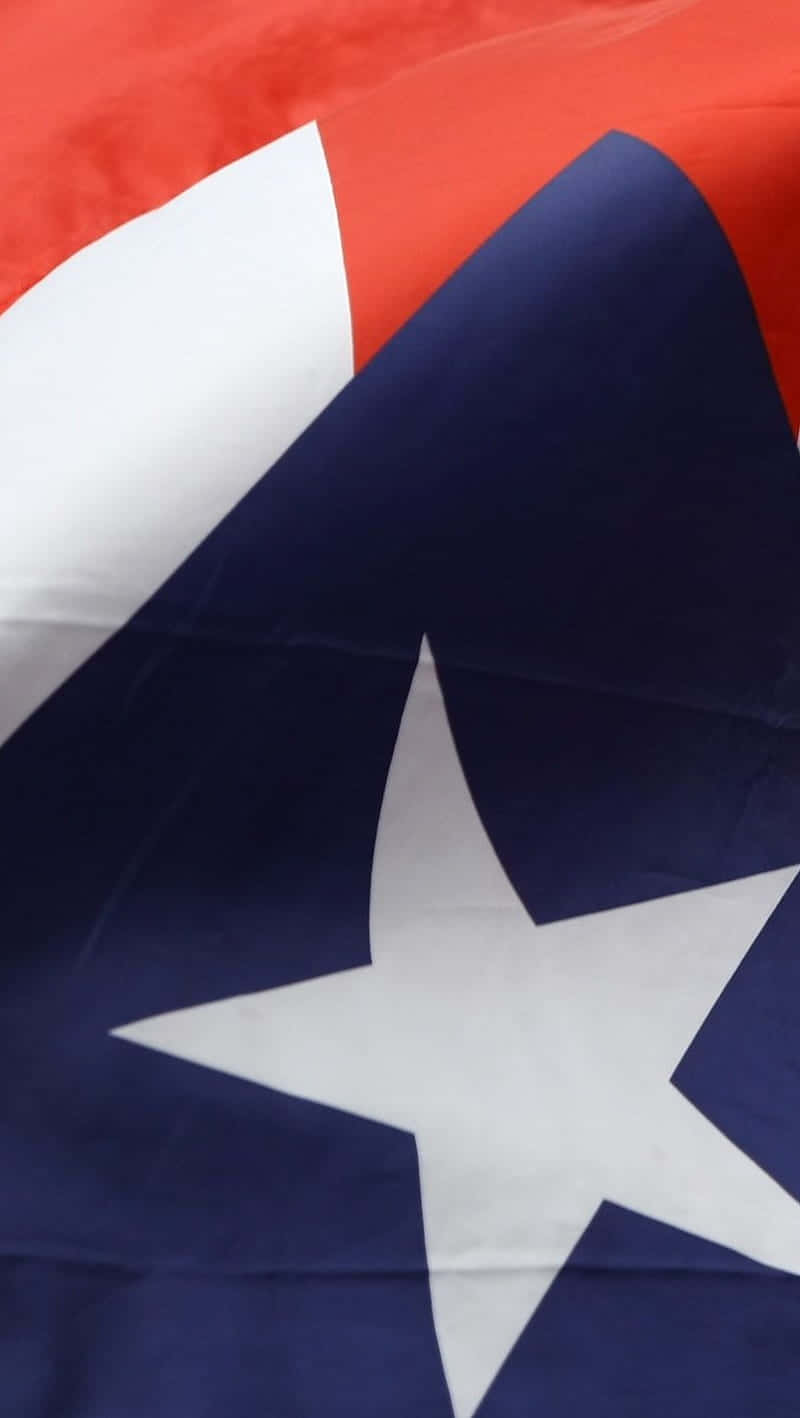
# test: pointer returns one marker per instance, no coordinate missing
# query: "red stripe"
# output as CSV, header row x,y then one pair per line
x,y
108,110
110,107
425,169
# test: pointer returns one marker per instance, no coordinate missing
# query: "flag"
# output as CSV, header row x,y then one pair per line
x,y
399,776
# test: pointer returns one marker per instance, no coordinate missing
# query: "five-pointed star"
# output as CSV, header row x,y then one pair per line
x,y
532,1063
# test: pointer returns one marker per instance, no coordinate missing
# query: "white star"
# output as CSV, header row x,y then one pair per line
x,y
532,1063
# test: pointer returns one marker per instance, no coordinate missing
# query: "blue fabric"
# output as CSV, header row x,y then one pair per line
x,y
573,471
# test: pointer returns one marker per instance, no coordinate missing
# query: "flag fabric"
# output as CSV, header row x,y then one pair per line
x,y
400,711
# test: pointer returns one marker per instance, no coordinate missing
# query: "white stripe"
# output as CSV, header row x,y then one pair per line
x,y
145,385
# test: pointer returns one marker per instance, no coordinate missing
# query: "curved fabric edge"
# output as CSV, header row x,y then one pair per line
x,y
146,384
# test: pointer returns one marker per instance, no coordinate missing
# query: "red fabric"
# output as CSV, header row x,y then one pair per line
x,y
110,107
427,167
